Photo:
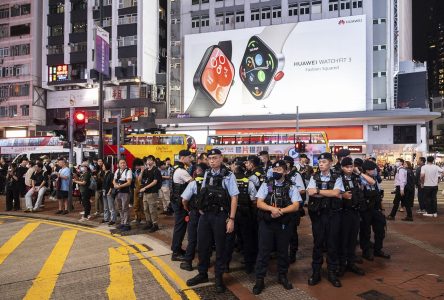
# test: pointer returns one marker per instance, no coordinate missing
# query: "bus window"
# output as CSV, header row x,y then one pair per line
x,y
271,139
256,139
214,140
228,140
242,140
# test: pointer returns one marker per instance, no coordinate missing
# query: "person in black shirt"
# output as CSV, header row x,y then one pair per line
x,y
109,212
12,189
21,171
38,185
149,177
3,174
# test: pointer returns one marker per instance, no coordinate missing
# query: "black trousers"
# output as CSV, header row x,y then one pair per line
x,y
372,219
349,235
271,234
12,198
400,199
180,227
294,240
193,222
430,199
212,227
326,229
246,227
421,200
86,203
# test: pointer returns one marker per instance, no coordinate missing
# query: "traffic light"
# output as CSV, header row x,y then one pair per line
x,y
80,126
62,132
299,147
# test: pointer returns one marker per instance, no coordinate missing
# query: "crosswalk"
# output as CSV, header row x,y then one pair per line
x,y
124,264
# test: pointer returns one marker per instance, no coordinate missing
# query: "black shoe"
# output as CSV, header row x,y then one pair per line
x,y
220,286
125,228
381,253
282,279
178,257
249,269
59,212
292,257
333,279
154,228
408,219
111,223
198,279
341,271
148,226
315,278
368,255
181,251
355,269
65,212
187,266
391,218
258,287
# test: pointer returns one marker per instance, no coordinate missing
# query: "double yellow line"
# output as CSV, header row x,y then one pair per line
x,y
115,257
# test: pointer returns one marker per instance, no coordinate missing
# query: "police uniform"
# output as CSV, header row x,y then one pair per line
x,y
217,189
350,220
325,214
193,221
275,231
372,218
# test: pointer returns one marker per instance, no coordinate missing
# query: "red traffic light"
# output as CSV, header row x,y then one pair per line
x,y
79,117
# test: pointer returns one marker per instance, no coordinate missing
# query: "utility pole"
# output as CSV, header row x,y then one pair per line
x,y
297,118
118,137
71,154
101,112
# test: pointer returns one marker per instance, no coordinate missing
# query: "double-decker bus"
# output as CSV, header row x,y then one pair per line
x,y
11,147
277,144
140,145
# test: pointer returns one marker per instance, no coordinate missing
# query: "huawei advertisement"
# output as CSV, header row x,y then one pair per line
x,y
319,66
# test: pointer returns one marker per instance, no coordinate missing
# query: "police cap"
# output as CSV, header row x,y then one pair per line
x,y
325,155
358,162
263,153
254,159
280,163
343,153
184,153
368,165
214,152
347,161
289,159
303,155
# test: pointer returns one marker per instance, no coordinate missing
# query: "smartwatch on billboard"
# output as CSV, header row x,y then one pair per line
x,y
212,80
263,62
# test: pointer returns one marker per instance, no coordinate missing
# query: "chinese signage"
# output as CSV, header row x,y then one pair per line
x,y
352,149
102,51
58,73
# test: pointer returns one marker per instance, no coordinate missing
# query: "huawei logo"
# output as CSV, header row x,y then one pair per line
x,y
341,22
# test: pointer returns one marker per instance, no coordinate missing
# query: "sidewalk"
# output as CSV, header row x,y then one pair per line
x,y
416,270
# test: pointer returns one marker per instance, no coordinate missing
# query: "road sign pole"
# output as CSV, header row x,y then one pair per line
x,y
118,137
71,154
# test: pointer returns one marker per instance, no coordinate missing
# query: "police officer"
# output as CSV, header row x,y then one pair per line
x,y
371,216
266,164
342,153
304,168
325,210
253,170
245,223
181,178
296,179
193,215
218,207
352,200
277,201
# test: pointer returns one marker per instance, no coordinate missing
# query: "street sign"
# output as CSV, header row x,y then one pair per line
x,y
102,51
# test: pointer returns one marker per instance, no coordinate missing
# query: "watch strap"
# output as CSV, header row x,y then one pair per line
x,y
276,36
201,106
226,47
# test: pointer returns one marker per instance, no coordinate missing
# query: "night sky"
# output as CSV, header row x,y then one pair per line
x,y
419,25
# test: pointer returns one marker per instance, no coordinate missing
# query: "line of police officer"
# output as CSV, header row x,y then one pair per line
x,y
265,207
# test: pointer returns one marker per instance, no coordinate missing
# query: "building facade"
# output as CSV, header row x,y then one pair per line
x,y
381,122
22,101
136,80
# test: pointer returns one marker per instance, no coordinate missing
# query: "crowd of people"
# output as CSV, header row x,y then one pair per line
x,y
251,203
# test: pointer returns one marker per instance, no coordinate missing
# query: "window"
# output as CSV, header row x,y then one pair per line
x,y
127,3
255,15
266,13
78,27
4,11
345,4
25,110
379,74
333,5
106,22
4,91
127,19
4,52
277,12
127,40
56,30
304,8
205,1
357,3
58,8
79,4
229,18
404,134
19,90
20,30
78,47
375,128
195,2
3,111
195,22
293,10
55,49
12,111
240,17
4,30
379,21
205,21
316,7
219,19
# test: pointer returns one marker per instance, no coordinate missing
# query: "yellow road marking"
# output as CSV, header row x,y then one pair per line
x,y
16,240
44,283
153,270
121,284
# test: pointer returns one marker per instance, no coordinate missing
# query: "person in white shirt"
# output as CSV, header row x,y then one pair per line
x,y
400,196
122,183
430,174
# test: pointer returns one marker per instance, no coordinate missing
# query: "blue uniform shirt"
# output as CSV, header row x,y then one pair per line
x,y
269,173
294,193
298,181
339,185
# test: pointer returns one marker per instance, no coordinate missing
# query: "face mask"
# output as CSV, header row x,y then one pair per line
x,y
277,175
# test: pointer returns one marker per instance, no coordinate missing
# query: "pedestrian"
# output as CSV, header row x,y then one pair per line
x,y
277,201
164,191
430,174
325,210
22,169
149,179
12,189
3,174
218,205
402,190
38,186
181,178
62,186
122,182
266,163
420,189
138,197
98,175
109,212
84,182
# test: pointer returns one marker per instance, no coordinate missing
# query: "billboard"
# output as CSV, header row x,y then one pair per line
x,y
76,98
319,66
102,51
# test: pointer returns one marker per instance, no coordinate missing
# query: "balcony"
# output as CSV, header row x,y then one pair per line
x,y
78,15
78,37
126,72
127,29
55,19
128,51
55,59
78,57
55,40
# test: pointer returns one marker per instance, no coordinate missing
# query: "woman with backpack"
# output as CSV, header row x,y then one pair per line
x,y
85,193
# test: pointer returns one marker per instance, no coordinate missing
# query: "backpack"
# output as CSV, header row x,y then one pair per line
x,y
410,185
159,179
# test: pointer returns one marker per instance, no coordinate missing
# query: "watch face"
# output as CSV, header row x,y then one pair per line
x,y
217,76
258,67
